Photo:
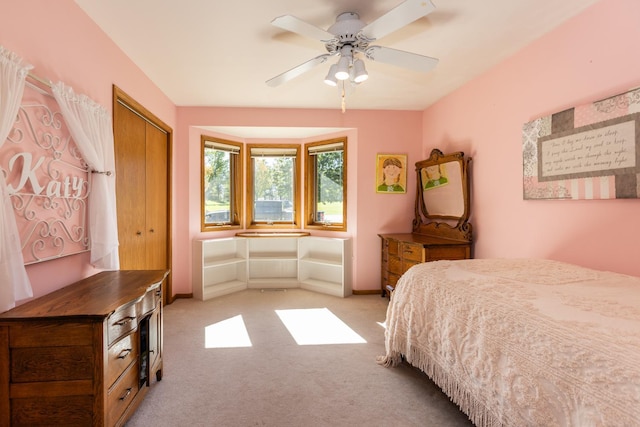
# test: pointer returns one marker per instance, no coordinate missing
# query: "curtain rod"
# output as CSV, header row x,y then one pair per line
x,y
39,80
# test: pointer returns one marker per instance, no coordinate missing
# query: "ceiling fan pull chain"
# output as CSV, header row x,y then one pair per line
x,y
344,101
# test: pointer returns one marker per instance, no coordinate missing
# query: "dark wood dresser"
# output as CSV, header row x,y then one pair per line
x,y
83,355
402,251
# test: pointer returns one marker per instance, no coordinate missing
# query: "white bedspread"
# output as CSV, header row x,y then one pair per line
x,y
522,342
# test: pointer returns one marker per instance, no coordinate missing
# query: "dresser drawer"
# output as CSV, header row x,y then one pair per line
x,y
120,356
407,264
122,394
451,252
412,252
150,300
393,279
392,246
395,265
121,322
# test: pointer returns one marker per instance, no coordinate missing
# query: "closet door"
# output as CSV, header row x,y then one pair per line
x,y
156,198
131,182
142,191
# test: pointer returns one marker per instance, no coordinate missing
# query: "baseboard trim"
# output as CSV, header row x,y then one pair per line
x,y
176,296
368,292
364,292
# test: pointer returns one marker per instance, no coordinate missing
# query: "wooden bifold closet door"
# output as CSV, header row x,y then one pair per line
x,y
142,156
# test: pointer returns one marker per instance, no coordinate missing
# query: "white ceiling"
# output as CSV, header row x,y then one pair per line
x,y
220,53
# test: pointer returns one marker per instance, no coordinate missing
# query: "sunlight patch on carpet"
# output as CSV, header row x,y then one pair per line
x,y
314,326
228,333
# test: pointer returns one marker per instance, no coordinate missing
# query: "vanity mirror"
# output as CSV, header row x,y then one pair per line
x,y
442,197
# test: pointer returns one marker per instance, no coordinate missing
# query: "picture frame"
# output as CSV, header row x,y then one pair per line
x,y
391,173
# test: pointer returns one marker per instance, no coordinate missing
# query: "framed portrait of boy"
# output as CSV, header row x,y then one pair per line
x,y
391,173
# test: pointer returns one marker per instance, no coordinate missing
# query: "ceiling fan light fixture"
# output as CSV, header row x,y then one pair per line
x,y
350,39
342,68
359,71
330,79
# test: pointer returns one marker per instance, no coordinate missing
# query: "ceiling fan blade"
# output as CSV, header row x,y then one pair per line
x,y
401,15
296,71
298,26
400,58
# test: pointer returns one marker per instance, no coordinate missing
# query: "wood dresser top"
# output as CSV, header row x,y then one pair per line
x,y
95,296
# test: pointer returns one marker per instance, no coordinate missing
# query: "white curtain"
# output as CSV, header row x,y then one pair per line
x,y
90,126
14,282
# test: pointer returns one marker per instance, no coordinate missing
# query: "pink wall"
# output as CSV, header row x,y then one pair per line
x,y
368,132
592,56
62,43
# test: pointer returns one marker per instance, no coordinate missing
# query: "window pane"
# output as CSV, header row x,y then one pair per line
x,y
273,188
217,186
329,188
326,180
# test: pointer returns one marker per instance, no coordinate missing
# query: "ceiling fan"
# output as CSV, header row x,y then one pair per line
x,y
350,38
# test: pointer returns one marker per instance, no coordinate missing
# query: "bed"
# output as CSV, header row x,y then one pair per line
x,y
522,342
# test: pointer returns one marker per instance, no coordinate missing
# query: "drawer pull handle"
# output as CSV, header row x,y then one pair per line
x,y
124,321
126,394
124,353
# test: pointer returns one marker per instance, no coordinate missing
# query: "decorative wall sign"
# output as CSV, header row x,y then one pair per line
x,y
47,181
587,152
391,173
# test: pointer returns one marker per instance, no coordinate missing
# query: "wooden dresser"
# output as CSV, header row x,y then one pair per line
x,y
83,355
402,251
441,228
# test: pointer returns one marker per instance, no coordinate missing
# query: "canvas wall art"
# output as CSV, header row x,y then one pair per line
x,y
590,151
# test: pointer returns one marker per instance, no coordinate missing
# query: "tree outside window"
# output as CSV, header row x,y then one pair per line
x,y
273,186
221,183
325,178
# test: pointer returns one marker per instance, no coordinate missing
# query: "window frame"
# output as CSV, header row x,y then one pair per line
x,y
311,184
249,162
235,175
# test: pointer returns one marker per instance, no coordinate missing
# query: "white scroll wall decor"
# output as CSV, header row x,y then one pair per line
x,y
47,179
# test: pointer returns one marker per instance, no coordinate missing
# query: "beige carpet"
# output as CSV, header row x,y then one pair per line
x,y
277,382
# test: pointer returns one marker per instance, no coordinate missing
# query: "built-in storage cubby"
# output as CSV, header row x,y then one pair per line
x,y
226,265
273,262
220,267
324,265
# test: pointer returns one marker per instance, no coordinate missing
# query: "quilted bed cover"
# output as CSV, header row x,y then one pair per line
x,y
522,342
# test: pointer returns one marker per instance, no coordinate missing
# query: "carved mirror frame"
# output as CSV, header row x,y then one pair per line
x,y
443,204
